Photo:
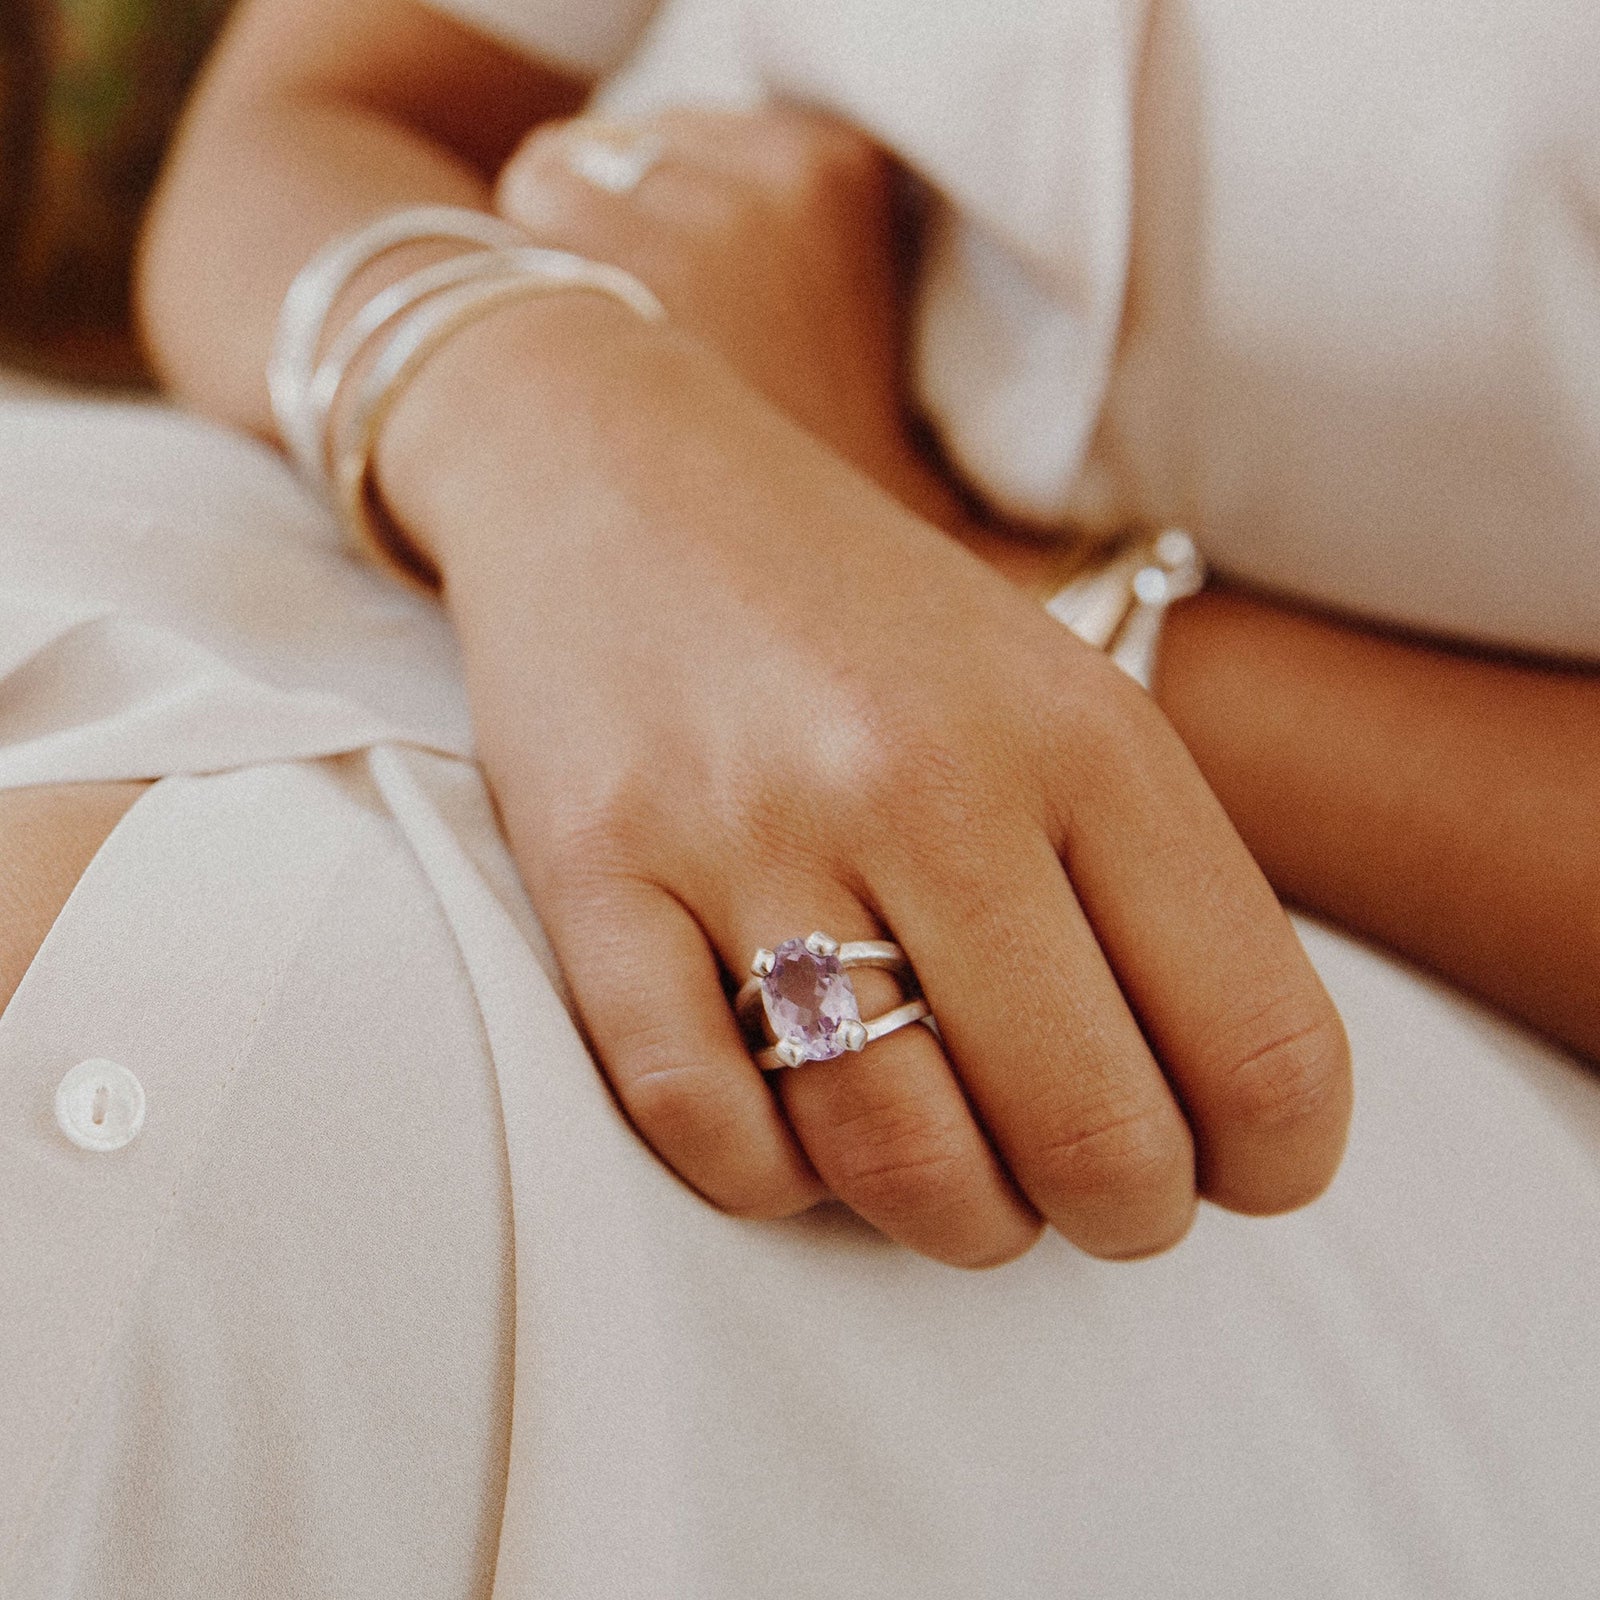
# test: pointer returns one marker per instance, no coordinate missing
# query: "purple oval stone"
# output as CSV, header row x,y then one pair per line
x,y
808,999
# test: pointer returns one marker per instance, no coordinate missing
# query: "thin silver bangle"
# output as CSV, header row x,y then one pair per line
x,y
387,306
416,336
303,317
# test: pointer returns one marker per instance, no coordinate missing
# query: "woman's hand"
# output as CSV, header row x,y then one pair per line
x,y
728,692
771,236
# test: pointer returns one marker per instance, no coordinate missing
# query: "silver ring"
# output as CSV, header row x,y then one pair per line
x,y
799,998
612,156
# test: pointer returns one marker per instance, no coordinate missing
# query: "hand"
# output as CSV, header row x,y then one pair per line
x,y
726,692
770,235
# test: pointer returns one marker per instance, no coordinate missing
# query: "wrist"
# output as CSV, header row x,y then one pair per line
x,y
516,411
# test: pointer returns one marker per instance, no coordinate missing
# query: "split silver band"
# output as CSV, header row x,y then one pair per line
x,y
317,288
400,327
818,1018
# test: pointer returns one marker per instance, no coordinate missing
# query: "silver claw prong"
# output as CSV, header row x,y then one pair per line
x,y
819,944
853,1036
763,964
789,1053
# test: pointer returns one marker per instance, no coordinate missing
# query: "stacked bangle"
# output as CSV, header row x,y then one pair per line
x,y
303,320
415,337
400,327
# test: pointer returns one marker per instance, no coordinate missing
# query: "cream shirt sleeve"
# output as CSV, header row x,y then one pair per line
x,y
591,36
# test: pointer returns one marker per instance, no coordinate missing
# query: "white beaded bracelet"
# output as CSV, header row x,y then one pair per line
x,y
416,335
302,321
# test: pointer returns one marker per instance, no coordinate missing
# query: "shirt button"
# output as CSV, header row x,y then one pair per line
x,y
100,1105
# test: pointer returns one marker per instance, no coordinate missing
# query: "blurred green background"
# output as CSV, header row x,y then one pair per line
x,y
89,91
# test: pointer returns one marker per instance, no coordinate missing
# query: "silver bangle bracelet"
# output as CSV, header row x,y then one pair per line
x,y
302,321
322,394
417,334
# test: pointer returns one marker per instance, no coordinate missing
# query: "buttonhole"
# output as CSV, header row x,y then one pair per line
x,y
98,1114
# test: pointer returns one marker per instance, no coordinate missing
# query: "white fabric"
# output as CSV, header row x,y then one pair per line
x,y
1320,282
386,1298
588,37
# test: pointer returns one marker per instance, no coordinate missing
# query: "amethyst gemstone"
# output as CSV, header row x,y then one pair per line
x,y
808,999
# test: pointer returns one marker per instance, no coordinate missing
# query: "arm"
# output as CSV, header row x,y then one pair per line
x,y
726,690
1443,803
310,120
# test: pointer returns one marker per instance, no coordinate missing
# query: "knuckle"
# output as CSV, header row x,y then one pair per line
x,y
1287,1072
1096,728
658,1076
837,156
915,802
605,836
666,1093
681,1107
907,779
898,1162
534,148
1107,1161
916,779
535,183
819,159
728,209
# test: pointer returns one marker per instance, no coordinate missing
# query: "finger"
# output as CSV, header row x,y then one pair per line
x,y
775,148
888,1128
1050,1056
1209,961
541,190
650,997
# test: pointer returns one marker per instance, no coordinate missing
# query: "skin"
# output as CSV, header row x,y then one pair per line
x,y
48,836
1129,1021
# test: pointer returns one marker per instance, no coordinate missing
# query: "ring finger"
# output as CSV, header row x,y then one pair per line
x,y
888,1128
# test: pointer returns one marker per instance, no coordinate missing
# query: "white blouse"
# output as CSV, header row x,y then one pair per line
x,y
382,1296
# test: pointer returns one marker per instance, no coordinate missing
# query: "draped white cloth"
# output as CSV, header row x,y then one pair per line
x,y
1320,282
386,1298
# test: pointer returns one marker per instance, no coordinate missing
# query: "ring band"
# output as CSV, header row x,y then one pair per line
x,y
799,998
612,156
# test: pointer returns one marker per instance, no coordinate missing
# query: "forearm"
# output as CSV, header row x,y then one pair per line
x,y
297,135
1445,804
